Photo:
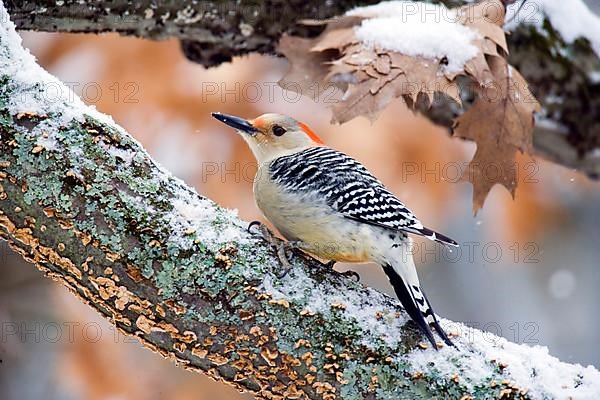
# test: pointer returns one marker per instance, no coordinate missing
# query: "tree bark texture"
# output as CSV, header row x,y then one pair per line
x,y
84,202
560,74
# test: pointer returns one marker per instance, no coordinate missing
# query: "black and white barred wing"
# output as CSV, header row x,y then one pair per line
x,y
349,188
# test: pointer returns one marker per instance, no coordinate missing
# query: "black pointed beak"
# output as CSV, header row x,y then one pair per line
x,y
237,123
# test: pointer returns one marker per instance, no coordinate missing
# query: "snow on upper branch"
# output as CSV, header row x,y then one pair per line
x,y
572,19
417,29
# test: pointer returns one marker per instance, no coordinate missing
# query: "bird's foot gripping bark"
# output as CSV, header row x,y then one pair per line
x,y
285,247
266,234
282,247
348,274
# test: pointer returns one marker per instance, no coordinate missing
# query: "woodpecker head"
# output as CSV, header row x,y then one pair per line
x,y
272,135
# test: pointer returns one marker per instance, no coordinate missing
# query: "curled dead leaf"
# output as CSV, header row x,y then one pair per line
x,y
501,122
361,79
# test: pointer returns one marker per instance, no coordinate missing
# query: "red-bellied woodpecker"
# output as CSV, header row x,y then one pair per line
x,y
330,205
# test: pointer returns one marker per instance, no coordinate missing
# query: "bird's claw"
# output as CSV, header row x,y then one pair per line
x,y
282,249
253,223
351,275
348,274
266,234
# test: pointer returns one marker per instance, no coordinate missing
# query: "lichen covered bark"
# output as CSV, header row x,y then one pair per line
x,y
84,202
563,76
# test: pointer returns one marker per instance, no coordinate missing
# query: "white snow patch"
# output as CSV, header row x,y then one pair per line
x,y
48,143
196,219
378,322
21,66
46,137
417,29
573,18
126,156
529,367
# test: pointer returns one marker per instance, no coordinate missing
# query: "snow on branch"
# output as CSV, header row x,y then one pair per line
x,y
559,66
84,202
572,19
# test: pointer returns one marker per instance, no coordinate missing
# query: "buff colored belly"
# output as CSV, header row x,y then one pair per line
x,y
319,229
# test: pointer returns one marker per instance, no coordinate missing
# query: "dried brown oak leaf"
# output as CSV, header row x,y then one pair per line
x,y
359,79
500,121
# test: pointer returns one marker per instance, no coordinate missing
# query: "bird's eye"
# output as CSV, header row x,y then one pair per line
x,y
278,130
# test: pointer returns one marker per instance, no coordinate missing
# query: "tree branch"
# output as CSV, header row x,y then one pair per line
x,y
84,202
211,32
560,74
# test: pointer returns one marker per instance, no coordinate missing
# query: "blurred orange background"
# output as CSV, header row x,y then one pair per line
x,y
527,269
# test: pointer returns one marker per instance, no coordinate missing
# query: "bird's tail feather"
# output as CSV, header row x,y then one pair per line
x,y
416,305
435,236
432,319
